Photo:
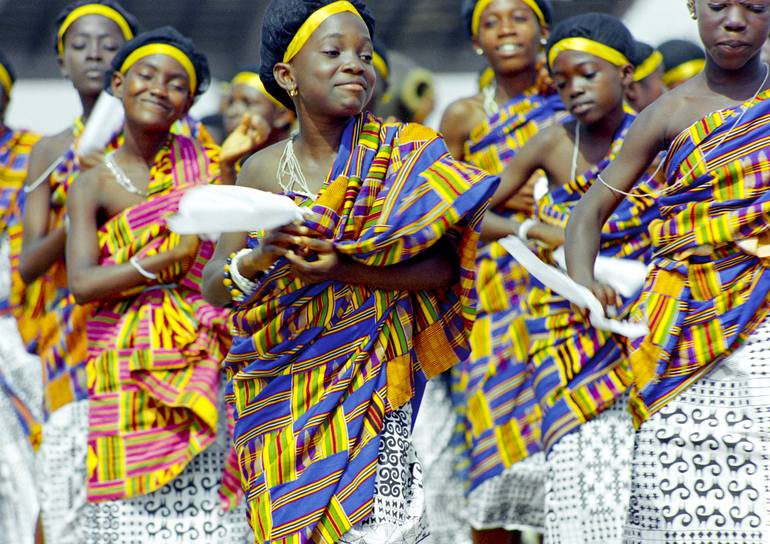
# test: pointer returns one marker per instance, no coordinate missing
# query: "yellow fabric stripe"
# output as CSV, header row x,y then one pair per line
x,y
163,49
646,69
584,45
481,5
684,71
253,80
5,81
313,22
380,65
93,9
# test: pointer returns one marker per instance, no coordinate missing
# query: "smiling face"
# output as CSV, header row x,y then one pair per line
x,y
89,46
155,92
733,31
509,34
333,72
245,99
589,86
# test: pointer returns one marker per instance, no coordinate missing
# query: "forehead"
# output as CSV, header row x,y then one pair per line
x,y
346,25
95,25
499,6
568,61
241,90
163,63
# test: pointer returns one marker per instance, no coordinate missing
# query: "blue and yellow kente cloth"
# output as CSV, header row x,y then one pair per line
x,y
579,371
316,368
700,309
498,418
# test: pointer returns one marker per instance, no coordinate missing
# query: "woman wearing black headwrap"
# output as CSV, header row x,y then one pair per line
x,y
87,37
682,60
505,479
340,321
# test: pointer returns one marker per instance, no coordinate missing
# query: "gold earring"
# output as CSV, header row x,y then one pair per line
x,y
293,91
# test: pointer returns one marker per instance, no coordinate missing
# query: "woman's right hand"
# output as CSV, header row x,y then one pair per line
x,y
610,300
274,245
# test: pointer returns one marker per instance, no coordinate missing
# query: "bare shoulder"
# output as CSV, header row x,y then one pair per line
x,y
261,169
49,149
463,114
90,184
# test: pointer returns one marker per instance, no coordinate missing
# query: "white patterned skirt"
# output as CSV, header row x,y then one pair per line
x,y
19,505
445,499
701,467
588,480
399,504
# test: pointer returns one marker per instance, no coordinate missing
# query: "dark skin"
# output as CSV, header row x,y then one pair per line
x,y
334,78
155,93
641,94
509,35
733,33
89,47
592,89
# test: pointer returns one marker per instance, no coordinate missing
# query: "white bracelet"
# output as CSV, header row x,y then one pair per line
x,y
138,267
245,285
525,227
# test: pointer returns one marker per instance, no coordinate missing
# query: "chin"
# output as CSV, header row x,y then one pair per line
x,y
513,66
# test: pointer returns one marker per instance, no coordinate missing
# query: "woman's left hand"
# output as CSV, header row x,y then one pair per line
x,y
326,266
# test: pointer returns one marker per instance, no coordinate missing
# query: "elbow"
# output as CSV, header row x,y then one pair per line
x,y
27,272
81,289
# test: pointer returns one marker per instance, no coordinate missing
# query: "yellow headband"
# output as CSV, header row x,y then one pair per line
x,y
253,80
481,5
5,81
94,9
163,49
645,69
584,45
684,71
380,65
313,22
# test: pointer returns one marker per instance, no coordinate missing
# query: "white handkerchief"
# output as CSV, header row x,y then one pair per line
x,y
216,209
105,121
561,283
625,276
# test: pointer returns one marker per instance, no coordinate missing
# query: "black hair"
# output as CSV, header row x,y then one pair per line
x,y
470,5
642,53
676,52
283,18
132,21
598,27
168,35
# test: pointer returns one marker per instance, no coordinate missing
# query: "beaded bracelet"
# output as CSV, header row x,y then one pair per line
x,y
238,286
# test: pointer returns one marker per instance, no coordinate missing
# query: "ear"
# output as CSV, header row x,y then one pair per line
x,y
627,75
545,33
284,76
632,92
118,84
62,69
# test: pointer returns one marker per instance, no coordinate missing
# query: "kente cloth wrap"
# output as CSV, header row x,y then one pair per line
x,y
579,371
154,352
50,321
700,309
492,390
315,368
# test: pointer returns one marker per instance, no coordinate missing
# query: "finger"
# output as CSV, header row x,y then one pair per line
x,y
317,245
245,122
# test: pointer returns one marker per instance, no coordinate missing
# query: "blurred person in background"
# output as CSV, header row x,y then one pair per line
x,y
682,60
648,84
20,374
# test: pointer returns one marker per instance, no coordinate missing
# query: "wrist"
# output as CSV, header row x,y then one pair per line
x,y
253,263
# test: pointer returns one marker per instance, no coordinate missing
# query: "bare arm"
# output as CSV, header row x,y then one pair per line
x,y
456,125
88,280
646,138
41,248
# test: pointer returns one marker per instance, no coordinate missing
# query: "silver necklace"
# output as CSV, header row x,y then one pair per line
x,y
490,104
121,177
290,176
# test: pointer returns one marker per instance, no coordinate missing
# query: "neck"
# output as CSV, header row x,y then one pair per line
x,y
320,137
143,144
738,84
512,85
606,127
88,103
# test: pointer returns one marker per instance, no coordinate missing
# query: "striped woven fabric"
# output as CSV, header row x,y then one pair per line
x,y
154,353
316,368
579,370
498,418
700,309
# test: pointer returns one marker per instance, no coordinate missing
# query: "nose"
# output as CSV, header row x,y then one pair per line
x,y
507,27
158,87
93,50
735,18
576,88
353,63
